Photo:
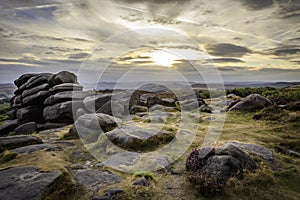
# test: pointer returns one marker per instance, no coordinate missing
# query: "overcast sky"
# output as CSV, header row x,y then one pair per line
x,y
161,39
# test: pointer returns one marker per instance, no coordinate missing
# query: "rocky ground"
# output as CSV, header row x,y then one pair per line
x,y
163,151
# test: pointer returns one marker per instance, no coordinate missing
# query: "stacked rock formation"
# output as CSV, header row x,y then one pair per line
x,y
43,101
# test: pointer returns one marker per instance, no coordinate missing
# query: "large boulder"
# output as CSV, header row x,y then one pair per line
x,y
61,112
135,138
8,126
12,142
252,102
30,114
26,128
66,96
62,77
24,183
210,168
90,126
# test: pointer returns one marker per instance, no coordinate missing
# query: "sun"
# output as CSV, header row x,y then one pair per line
x,y
163,58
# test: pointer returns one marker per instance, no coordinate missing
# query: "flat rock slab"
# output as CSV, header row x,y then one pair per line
x,y
94,180
8,126
37,147
139,139
12,142
26,128
255,149
25,183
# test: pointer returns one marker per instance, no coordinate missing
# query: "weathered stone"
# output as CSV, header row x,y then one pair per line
x,y
143,182
109,194
43,87
23,79
157,107
252,102
254,149
8,126
72,133
231,150
12,114
24,183
210,168
62,77
152,100
61,112
30,114
80,112
37,98
90,126
12,142
138,109
16,101
187,105
168,102
49,125
36,147
66,96
66,87
26,128
93,103
115,109
95,180
34,81
138,139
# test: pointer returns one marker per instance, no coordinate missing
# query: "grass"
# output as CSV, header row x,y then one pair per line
x,y
4,108
7,156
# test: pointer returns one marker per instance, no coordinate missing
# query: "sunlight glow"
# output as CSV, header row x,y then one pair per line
x,y
163,58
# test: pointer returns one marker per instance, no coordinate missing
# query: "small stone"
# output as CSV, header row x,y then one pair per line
x,y
143,182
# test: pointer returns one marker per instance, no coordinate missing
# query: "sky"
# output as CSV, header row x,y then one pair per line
x,y
137,40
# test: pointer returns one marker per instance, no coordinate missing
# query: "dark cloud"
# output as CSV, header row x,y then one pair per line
x,y
232,68
284,51
256,4
78,55
288,9
227,60
226,50
296,61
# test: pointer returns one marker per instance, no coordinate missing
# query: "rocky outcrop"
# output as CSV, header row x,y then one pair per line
x,y
42,100
252,102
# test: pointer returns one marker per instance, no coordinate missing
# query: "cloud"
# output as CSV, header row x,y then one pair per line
x,y
283,51
226,50
257,4
78,55
227,60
